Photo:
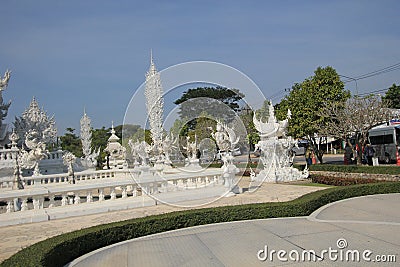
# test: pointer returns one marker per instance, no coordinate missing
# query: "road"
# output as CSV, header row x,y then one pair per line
x,y
328,158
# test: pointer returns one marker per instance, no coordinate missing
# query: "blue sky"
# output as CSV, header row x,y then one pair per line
x,y
94,54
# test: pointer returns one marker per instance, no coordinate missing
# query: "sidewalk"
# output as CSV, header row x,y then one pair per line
x,y
351,231
14,238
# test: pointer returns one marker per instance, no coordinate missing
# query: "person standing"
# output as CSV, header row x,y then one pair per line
x,y
369,153
348,154
308,155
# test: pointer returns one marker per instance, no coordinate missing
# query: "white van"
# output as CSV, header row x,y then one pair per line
x,y
385,139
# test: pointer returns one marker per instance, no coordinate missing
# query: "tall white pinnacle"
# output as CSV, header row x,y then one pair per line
x,y
86,135
154,103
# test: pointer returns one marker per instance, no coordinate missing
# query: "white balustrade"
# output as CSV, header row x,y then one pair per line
x,y
101,187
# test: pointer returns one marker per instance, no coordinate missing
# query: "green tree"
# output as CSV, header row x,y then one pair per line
x,y
142,135
72,143
354,118
306,101
218,102
99,139
393,96
252,135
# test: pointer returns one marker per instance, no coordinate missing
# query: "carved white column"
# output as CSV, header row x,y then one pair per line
x,y
64,200
77,199
51,201
24,204
36,203
10,206
89,197
101,194
134,191
112,194
124,192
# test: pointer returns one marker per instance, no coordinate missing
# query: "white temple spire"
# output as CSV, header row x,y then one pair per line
x,y
154,103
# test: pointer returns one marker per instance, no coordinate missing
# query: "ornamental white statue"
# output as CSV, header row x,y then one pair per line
x,y
69,160
155,107
34,118
89,159
140,152
226,140
37,151
275,146
116,158
3,85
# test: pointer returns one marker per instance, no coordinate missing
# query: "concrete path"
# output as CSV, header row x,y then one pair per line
x,y
353,232
14,238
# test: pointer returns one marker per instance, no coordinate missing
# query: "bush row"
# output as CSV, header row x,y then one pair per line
x,y
388,169
59,250
329,180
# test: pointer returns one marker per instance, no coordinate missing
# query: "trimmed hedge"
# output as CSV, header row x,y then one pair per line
x,y
59,250
329,180
392,170
388,169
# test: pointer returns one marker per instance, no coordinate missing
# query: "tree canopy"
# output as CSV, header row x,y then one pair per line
x,y
306,99
354,118
393,96
72,143
217,102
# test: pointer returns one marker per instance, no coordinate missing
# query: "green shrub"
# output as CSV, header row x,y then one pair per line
x,y
329,180
392,170
59,250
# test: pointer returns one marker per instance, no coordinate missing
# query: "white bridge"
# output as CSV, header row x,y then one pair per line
x,y
47,197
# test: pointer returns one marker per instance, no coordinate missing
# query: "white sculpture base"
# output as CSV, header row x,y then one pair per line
x,y
285,174
229,175
193,165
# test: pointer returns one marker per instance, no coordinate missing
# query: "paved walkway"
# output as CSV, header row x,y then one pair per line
x,y
14,238
368,227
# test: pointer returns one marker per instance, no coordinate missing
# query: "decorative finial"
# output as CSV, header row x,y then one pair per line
x,y
151,56
112,127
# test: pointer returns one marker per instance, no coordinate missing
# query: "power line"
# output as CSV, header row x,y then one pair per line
x,y
374,73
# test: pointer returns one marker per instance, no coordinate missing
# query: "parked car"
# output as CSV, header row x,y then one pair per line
x,y
300,149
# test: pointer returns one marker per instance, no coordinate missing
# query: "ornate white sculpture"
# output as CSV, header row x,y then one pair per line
x,y
140,152
3,85
155,106
275,146
34,118
37,151
225,137
226,140
167,146
69,159
116,158
89,159
4,80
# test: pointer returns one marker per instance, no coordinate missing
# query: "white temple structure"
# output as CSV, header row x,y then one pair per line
x,y
155,107
116,158
275,146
